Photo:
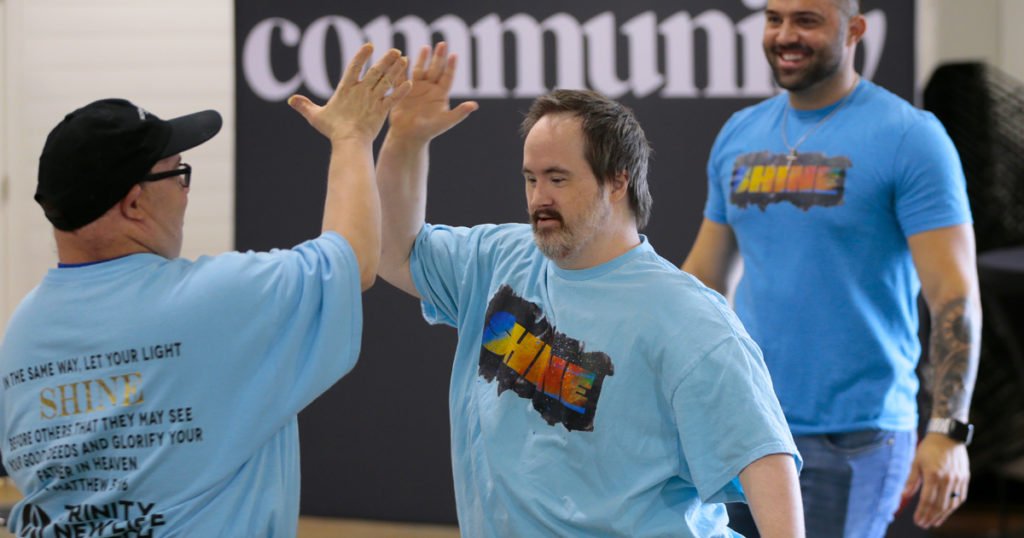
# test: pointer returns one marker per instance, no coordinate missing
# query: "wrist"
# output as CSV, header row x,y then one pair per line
x,y
350,139
405,142
952,428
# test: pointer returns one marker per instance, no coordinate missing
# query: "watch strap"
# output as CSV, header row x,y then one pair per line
x,y
952,428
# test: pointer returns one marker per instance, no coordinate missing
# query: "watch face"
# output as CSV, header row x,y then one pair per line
x,y
962,432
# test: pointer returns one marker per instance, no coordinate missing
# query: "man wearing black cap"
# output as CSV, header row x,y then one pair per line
x,y
147,395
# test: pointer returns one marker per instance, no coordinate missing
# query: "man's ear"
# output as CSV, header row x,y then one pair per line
x,y
855,30
131,204
619,186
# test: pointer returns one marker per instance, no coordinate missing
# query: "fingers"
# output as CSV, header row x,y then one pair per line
x,y
356,64
440,65
929,505
438,62
360,103
913,481
941,494
403,74
448,76
419,68
395,74
381,73
400,92
935,504
961,489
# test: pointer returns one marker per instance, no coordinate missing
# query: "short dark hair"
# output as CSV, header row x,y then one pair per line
x,y
615,142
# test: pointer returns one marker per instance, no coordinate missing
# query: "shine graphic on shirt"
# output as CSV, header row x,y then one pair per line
x,y
526,354
765,178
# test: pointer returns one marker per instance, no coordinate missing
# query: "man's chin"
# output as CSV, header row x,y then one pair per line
x,y
794,80
550,246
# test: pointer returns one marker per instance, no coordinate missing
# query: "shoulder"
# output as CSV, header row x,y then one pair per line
x,y
889,112
494,239
327,256
678,301
756,112
684,324
751,119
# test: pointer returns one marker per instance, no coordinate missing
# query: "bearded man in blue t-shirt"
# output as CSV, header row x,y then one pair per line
x,y
596,390
844,202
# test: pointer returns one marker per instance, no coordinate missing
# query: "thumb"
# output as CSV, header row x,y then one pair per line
x,y
461,112
913,481
302,105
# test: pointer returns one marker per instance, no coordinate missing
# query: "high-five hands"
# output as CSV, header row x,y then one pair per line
x,y
425,112
358,107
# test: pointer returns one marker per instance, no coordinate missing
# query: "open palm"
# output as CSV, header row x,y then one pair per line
x,y
358,106
425,112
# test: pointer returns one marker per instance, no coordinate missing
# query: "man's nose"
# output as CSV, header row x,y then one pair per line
x,y
787,33
539,195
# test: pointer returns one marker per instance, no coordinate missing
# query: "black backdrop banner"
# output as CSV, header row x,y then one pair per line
x,y
376,445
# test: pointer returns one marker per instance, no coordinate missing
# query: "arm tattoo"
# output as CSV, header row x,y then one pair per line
x,y
953,352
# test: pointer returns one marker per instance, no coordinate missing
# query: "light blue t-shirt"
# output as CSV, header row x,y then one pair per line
x,y
620,400
829,288
151,395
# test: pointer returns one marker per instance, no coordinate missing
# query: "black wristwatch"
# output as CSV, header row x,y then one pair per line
x,y
952,428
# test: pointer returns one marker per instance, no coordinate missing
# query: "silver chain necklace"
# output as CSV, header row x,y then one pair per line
x,y
792,155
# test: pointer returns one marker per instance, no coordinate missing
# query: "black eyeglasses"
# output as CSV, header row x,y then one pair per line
x,y
183,173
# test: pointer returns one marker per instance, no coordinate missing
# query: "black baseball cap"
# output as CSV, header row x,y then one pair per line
x,y
97,153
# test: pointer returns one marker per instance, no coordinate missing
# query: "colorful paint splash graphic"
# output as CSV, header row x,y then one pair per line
x,y
527,355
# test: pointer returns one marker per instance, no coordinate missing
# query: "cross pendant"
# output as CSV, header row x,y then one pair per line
x,y
791,157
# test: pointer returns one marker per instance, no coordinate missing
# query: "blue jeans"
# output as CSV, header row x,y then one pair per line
x,y
850,483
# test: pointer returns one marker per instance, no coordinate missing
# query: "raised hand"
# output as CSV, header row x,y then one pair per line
x,y
358,107
425,112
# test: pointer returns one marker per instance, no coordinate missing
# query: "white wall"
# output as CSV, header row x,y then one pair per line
x,y
4,224
175,57
170,57
1011,40
969,30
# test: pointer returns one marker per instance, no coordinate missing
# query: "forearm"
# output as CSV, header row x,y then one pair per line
x,y
953,348
773,494
714,257
945,262
352,205
402,181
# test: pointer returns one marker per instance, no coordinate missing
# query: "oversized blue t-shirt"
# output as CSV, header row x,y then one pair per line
x,y
620,400
151,397
829,288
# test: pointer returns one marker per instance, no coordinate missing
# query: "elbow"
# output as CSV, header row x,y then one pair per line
x,y
367,279
368,266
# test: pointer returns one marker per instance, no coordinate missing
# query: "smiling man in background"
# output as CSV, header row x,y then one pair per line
x,y
844,202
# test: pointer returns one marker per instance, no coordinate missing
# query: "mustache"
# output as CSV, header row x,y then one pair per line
x,y
545,214
782,49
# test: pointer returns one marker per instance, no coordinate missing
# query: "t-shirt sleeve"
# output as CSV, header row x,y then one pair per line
x,y
728,417
297,327
441,260
931,190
